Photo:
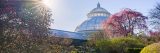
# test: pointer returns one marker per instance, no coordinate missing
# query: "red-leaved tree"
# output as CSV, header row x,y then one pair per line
x,y
124,23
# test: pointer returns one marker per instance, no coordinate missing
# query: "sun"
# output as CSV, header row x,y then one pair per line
x,y
47,2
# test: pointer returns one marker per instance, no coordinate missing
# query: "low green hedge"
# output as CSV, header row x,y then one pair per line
x,y
134,50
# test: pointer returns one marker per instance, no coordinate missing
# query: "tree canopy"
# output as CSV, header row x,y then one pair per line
x,y
124,23
23,24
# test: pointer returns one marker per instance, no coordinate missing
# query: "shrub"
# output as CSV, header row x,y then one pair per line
x,y
119,45
153,48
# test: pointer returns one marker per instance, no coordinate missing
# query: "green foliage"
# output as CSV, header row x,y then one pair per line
x,y
104,46
134,50
147,40
99,35
153,48
118,45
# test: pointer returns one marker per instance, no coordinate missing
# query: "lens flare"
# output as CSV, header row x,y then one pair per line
x,y
47,2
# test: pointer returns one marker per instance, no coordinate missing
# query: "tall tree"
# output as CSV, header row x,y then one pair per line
x,y
124,23
155,16
25,15
23,24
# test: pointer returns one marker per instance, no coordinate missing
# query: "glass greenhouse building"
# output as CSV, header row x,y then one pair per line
x,y
93,23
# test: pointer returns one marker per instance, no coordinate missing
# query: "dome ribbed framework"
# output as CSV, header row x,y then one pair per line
x,y
95,19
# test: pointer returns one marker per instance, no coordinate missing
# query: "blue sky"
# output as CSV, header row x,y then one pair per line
x,y
68,14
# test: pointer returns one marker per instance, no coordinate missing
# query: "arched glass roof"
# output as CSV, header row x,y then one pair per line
x,y
95,19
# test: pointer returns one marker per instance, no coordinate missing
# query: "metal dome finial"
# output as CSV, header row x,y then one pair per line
x,y
98,5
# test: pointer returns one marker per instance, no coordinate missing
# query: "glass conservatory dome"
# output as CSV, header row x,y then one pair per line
x,y
94,21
